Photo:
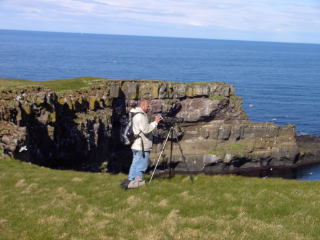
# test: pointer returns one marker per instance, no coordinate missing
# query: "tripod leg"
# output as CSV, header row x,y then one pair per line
x,y
160,155
173,131
171,148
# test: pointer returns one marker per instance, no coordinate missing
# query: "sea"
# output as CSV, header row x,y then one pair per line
x,y
279,82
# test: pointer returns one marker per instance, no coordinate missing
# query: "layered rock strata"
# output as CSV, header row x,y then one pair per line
x,y
81,129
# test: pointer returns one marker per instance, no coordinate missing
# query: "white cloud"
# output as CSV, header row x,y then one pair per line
x,y
268,16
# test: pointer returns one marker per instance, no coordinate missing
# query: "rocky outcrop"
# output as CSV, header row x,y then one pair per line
x,y
81,129
309,149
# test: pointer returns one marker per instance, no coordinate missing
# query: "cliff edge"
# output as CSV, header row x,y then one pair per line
x,y
80,128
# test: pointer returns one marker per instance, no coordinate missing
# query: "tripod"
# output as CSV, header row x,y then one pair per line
x,y
171,131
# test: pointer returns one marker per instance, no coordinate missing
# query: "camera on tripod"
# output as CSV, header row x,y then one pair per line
x,y
170,120
169,123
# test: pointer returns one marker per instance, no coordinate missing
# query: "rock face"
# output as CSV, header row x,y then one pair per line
x,y
81,129
309,149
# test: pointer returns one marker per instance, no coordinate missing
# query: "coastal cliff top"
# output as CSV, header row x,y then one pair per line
x,y
80,83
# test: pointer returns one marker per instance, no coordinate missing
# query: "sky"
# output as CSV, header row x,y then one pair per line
x,y
261,20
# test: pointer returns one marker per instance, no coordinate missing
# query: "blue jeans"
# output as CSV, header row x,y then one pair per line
x,y
139,164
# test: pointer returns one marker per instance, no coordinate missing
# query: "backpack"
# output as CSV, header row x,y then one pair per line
x,y
127,135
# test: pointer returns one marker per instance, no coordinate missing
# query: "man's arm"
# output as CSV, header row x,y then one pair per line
x,y
146,127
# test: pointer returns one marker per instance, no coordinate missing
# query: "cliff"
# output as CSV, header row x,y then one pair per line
x,y
80,129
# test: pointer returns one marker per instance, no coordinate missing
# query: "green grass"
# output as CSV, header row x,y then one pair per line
x,y
169,101
56,85
40,203
61,85
238,148
73,83
70,84
217,98
14,84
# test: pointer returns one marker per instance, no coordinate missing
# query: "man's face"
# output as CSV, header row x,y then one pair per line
x,y
145,107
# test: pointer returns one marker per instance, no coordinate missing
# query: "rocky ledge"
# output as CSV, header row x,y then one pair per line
x,y
80,129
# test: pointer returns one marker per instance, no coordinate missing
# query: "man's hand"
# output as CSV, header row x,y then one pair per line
x,y
158,118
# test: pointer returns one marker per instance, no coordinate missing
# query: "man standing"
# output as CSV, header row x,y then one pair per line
x,y
141,149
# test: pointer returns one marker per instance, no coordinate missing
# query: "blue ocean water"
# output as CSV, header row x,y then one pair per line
x,y
279,82
307,173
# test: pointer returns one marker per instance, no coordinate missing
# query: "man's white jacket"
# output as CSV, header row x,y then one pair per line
x,y
141,123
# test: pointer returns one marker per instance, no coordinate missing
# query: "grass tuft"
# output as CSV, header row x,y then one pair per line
x,y
238,148
219,98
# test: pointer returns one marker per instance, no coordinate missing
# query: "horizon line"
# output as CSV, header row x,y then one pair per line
x,y
156,36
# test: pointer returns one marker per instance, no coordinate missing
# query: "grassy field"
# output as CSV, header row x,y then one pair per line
x,y
56,85
63,85
41,203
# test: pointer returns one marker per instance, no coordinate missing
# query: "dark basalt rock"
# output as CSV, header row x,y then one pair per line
x,y
81,130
